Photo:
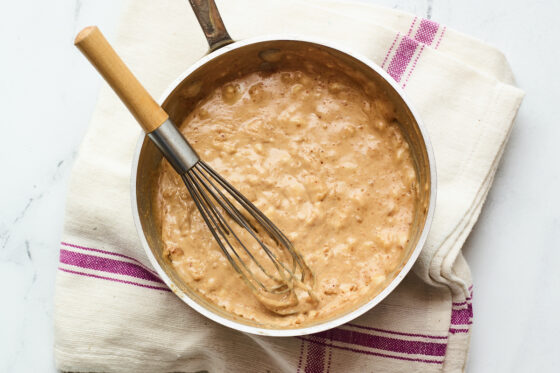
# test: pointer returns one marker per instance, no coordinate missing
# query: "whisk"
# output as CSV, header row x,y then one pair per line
x,y
264,257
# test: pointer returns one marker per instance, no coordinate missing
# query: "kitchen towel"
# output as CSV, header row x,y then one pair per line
x,y
113,314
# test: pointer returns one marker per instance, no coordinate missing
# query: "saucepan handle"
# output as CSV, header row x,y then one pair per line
x,y
211,22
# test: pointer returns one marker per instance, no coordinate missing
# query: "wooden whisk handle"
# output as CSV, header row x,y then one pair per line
x,y
91,42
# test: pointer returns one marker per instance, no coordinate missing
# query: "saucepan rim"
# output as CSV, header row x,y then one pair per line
x,y
344,318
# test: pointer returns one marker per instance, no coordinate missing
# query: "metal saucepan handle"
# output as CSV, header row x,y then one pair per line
x,y
211,22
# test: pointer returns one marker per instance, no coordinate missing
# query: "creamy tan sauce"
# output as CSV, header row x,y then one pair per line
x,y
324,161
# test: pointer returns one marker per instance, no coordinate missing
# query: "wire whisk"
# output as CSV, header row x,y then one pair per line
x,y
276,277
273,277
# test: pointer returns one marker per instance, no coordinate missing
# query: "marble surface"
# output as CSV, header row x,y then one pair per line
x,y
47,97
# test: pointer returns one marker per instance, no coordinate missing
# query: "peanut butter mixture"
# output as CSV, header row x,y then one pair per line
x,y
325,161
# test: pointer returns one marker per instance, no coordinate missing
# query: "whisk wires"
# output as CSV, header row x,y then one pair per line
x,y
274,276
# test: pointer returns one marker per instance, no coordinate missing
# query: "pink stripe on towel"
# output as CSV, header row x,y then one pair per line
x,y
315,362
106,252
462,316
372,352
390,49
397,333
384,343
457,331
106,265
411,26
402,58
440,38
427,31
113,279
414,65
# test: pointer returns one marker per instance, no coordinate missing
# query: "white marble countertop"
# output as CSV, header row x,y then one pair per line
x,y
47,97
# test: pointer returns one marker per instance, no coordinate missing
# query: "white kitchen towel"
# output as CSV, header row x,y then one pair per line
x,y
112,313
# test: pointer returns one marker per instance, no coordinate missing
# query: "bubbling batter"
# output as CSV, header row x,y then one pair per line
x,y
324,160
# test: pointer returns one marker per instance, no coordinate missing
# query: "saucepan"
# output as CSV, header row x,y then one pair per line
x,y
225,60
